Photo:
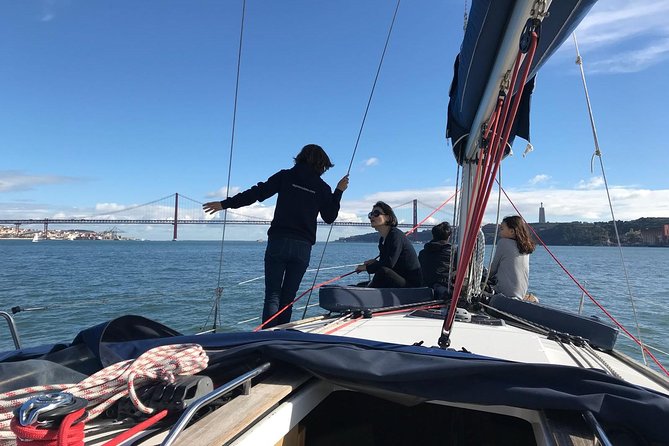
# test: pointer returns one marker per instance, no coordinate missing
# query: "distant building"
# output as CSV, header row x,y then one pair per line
x,y
542,214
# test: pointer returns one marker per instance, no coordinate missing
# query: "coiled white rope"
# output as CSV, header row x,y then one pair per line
x,y
110,384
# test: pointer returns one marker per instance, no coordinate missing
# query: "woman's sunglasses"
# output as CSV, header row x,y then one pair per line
x,y
375,213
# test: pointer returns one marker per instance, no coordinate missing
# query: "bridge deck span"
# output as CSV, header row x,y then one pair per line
x,y
58,221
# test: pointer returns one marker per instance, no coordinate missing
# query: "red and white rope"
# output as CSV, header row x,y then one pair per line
x,y
108,385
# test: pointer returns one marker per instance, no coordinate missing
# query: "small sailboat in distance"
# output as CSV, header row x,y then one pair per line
x,y
36,238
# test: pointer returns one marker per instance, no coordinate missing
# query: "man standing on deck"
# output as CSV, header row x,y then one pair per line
x,y
302,195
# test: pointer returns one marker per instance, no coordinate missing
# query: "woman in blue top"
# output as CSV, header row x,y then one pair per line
x,y
511,263
398,265
302,195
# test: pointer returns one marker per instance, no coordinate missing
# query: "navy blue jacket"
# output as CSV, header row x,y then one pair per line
x,y
435,262
397,253
302,196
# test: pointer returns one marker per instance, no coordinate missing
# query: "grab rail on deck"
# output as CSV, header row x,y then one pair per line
x,y
597,429
12,329
185,417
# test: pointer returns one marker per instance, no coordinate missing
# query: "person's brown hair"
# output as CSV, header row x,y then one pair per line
x,y
387,210
314,156
523,238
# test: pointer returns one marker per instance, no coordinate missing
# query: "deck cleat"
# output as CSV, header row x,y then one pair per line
x,y
174,397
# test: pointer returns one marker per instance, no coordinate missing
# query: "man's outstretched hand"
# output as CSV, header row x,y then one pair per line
x,y
212,207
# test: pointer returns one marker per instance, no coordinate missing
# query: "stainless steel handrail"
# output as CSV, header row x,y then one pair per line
x,y
597,428
185,417
12,329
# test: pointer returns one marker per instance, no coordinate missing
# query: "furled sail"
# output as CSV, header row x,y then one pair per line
x,y
489,23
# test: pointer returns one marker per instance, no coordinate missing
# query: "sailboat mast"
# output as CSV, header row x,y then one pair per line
x,y
506,56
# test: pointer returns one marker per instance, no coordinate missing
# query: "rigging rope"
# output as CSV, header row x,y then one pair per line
x,y
452,259
598,153
357,141
219,289
494,241
313,287
376,78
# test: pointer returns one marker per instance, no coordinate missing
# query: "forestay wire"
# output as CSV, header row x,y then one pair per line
x,y
357,142
219,289
598,153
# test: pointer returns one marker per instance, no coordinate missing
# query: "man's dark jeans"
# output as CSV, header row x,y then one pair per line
x,y
286,261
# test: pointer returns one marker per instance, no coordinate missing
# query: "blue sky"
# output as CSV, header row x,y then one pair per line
x,y
107,105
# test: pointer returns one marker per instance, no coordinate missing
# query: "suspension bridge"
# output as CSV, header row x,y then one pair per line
x,y
177,209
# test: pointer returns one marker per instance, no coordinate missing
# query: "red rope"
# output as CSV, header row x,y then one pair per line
x,y
345,324
69,433
571,276
412,230
137,428
380,313
275,315
499,141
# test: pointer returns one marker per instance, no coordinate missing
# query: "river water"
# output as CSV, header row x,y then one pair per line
x,y
76,284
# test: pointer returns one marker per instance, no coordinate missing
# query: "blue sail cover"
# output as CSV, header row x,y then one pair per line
x,y
416,372
486,27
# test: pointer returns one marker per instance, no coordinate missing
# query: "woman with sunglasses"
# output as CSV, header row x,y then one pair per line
x,y
397,265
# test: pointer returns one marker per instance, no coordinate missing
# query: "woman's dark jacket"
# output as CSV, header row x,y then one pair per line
x,y
397,253
302,196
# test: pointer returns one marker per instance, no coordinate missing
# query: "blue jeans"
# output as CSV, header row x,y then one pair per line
x,y
286,261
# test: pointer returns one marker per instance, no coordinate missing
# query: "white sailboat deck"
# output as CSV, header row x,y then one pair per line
x,y
498,341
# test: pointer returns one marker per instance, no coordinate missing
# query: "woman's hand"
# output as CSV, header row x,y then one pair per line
x,y
363,267
212,207
343,183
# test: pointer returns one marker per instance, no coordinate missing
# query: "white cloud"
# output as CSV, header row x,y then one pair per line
x,y
48,10
592,183
621,36
221,193
16,180
110,207
632,61
541,178
369,162
561,205
564,205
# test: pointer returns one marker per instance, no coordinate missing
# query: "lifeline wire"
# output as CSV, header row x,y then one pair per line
x,y
357,141
598,154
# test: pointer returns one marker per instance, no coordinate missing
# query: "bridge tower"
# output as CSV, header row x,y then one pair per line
x,y
176,215
17,227
46,228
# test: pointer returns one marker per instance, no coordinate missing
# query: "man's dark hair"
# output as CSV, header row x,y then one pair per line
x,y
388,211
314,156
442,231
